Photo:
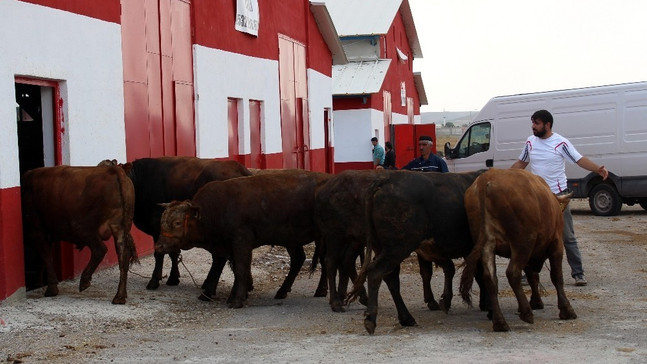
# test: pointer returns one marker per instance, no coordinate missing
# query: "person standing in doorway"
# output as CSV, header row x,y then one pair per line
x,y
378,153
389,157
427,162
546,153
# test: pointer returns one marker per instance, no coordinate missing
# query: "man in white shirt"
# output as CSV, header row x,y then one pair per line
x,y
546,153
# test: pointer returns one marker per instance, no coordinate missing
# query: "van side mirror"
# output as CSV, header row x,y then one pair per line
x,y
448,151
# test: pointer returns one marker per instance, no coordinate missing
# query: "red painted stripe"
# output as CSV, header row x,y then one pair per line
x,y
12,261
108,10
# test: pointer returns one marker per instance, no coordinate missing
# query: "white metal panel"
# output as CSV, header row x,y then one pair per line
x,y
219,75
363,17
359,78
83,52
353,132
319,98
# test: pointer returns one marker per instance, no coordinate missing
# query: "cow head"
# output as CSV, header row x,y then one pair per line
x,y
177,222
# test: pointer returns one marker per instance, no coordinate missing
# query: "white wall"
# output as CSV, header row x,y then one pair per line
x,y
319,98
219,75
353,132
84,54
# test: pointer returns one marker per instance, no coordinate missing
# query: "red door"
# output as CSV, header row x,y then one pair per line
x,y
232,118
404,144
294,106
256,160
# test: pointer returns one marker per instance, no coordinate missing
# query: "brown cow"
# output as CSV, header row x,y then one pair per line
x,y
514,214
164,179
404,210
84,206
231,218
341,218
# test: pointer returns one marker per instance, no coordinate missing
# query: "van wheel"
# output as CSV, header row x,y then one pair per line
x,y
604,200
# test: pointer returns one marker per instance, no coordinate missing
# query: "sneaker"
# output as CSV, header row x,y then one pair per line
x,y
580,281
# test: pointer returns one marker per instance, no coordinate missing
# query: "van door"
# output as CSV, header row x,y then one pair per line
x,y
473,151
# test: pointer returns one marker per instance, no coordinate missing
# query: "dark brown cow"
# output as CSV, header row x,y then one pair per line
x,y
341,218
84,206
404,210
231,218
514,214
161,180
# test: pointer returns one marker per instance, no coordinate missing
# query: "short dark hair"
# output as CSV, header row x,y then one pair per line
x,y
425,137
373,139
543,115
388,145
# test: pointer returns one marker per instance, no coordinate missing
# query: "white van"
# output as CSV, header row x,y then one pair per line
x,y
608,124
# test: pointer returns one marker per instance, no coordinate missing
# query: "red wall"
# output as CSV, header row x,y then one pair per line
x,y
12,268
108,10
214,28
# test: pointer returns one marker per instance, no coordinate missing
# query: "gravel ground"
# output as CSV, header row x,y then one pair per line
x,y
172,325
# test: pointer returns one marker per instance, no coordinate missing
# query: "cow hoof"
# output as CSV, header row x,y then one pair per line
x,y
567,314
322,292
337,307
173,281
369,325
235,305
409,321
527,317
500,327
118,300
444,305
537,305
433,305
281,295
153,284
205,297
83,285
51,291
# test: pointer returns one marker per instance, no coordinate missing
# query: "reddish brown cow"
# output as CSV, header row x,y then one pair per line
x,y
514,214
84,206
341,218
231,218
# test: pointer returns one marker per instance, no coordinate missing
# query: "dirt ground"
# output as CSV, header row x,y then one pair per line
x,y
172,325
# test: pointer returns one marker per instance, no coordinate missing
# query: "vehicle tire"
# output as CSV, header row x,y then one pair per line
x,y
604,200
643,204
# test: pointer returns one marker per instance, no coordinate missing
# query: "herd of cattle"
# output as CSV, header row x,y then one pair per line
x,y
228,210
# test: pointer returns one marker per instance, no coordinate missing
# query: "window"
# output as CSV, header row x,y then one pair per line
x,y
475,140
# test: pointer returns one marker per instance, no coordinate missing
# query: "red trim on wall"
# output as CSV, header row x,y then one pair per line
x,y
108,10
355,103
12,261
340,167
274,161
318,160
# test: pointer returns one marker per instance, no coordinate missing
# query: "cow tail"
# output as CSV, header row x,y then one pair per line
x,y
472,260
126,218
370,237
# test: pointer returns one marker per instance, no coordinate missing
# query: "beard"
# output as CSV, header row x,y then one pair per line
x,y
539,133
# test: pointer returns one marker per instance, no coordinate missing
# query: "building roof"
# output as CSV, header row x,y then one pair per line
x,y
373,17
328,31
420,87
359,78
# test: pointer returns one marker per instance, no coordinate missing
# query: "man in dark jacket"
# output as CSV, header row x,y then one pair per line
x,y
427,162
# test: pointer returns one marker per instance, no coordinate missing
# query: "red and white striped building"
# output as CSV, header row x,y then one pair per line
x,y
250,80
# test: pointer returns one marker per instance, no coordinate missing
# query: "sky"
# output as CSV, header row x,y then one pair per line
x,y
474,50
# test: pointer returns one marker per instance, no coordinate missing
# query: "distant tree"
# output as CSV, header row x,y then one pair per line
x,y
449,124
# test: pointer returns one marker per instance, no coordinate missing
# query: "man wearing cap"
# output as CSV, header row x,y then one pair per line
x,y
427,162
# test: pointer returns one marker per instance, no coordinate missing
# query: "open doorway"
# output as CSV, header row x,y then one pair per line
x,y
37,147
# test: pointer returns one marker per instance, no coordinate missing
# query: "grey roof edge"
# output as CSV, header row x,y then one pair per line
x,y
410,28
328,31
420,87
